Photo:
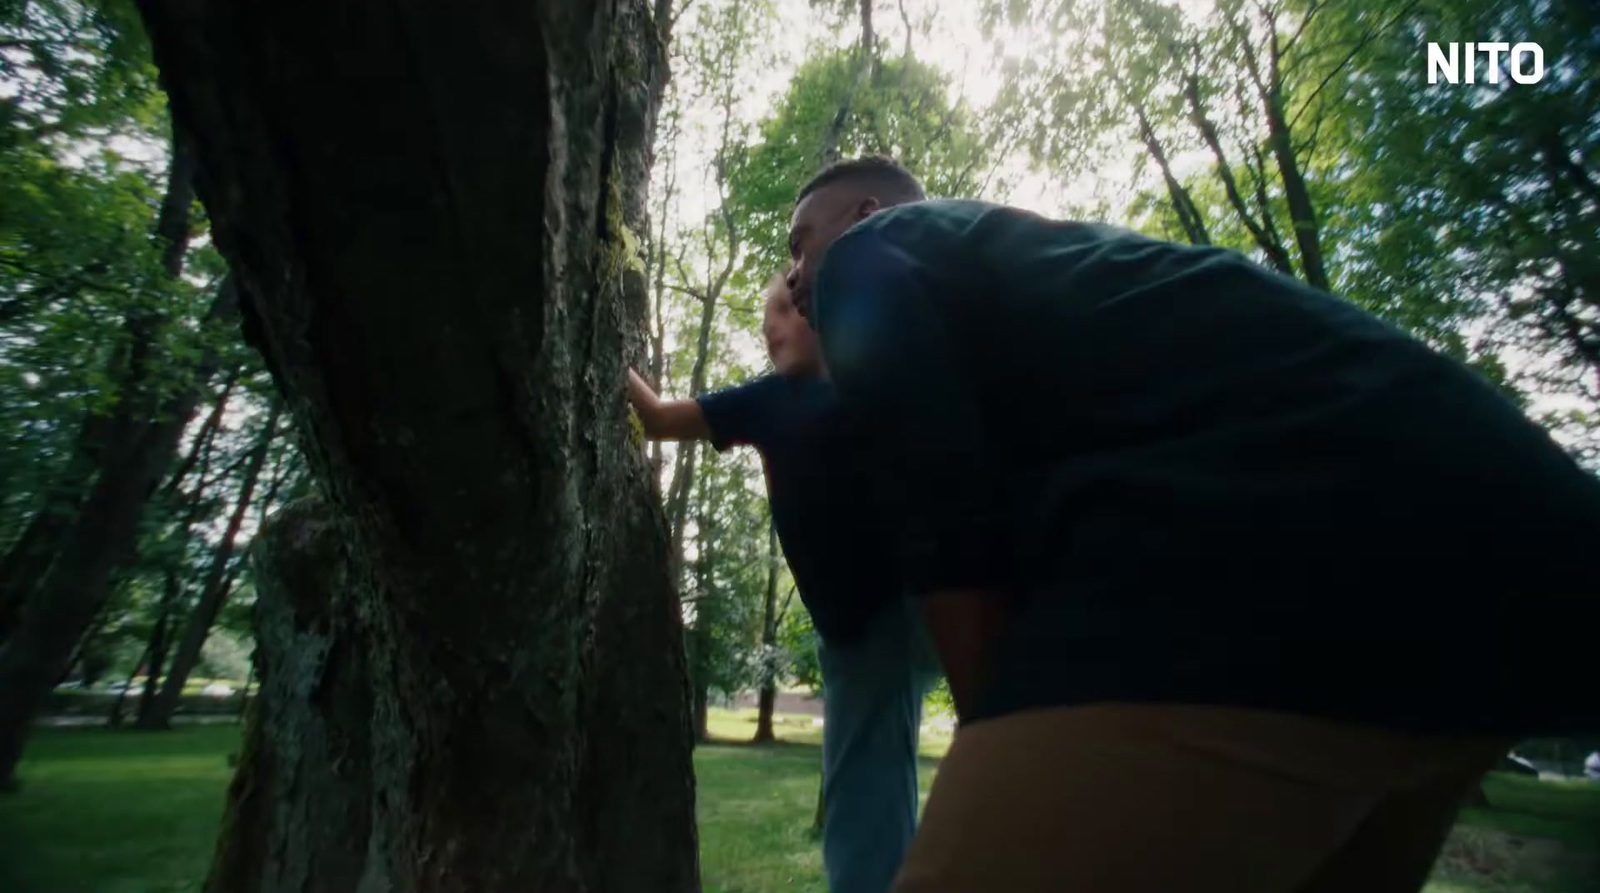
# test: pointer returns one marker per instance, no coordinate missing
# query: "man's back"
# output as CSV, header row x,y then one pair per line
x,y
1216,483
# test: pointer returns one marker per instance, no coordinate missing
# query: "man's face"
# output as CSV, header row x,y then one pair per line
x,y
818,220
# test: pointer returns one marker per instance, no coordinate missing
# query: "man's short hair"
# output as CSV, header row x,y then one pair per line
x,y
885,175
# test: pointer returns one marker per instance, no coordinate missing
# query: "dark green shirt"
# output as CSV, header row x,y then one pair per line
x,y
1205,482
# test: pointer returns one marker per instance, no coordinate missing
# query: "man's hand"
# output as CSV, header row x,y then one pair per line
x,y
965,626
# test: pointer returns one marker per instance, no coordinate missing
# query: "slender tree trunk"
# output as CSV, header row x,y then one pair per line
x,y
106,529
440,282
702,710
706,595
820,814
198,460
214,591
1277,255
114,720
689,451
767,699
1307,232
200,451
1189,217
156,651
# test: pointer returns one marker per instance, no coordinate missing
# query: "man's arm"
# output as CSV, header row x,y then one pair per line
x,y
890,346
666,419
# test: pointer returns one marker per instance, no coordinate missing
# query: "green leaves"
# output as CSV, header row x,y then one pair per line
x,y
904,110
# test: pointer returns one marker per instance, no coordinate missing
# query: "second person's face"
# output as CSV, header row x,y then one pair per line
x,y
790,342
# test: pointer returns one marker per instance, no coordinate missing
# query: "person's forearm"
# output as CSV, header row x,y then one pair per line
x,y
965,626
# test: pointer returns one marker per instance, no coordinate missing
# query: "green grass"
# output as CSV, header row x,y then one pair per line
x,y
1568,811
133,812
115,812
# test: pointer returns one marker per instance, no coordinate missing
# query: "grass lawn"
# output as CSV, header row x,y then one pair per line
x,y
132,812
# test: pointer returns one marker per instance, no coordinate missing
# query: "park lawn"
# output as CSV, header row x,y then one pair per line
x,y
136,812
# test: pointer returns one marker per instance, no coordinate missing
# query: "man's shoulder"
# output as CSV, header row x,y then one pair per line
x,y
934,216
945,225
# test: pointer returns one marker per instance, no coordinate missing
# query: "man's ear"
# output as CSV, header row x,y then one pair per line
x,y
867,207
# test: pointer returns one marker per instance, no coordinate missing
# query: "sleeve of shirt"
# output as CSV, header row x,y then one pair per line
x,y
883,315
740,415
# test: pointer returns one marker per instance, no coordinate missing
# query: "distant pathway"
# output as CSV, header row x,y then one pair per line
x,y
792,702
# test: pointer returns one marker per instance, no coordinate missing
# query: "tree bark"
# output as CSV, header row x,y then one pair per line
x,y
440,271
104,534
299,808
767,699
214,591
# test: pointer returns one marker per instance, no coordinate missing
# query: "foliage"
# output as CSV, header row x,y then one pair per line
x,y
729,577
903,111
94,326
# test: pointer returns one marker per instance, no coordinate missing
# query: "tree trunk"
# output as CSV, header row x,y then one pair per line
x,y
699,634
767,700
199,456
198,461
299,809
114,719
1189,217
441,279
1307,232
1276,254
215,589
74,589
689,450
702,710
820,815
156,651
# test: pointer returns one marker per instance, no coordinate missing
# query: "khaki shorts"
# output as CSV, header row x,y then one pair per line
x,y
1147,798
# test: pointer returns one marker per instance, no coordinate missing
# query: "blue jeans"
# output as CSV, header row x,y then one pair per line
x,y
873,688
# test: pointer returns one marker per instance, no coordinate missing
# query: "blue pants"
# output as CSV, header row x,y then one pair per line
x,y
873,688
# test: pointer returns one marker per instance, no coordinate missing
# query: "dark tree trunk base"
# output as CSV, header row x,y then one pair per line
x,y
766,702
299,810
